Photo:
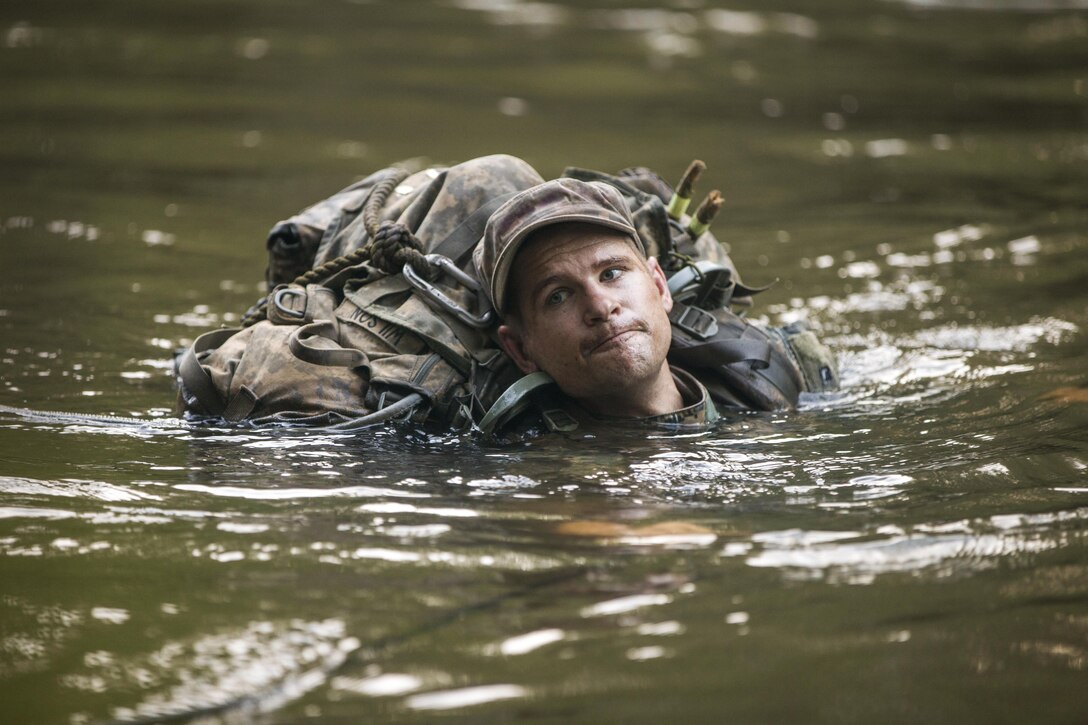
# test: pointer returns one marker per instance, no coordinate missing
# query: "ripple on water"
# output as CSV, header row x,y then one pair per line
x,y
1011,338
525,643
464,697
858,557
288,494
33,633
27,512
1005,5
881,372
380,685
622,605
72,488
403,508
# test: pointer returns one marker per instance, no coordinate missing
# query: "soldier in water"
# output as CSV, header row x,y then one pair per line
x,y
611,306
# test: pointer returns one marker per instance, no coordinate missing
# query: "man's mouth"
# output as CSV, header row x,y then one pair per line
x,y
611,339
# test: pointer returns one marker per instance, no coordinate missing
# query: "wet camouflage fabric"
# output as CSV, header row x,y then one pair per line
x,y
376,341
431,203
647,196
698,411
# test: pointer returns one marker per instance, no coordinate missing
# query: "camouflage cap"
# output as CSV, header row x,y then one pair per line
x,y
553,202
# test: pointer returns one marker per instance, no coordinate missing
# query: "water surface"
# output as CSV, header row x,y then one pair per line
x,y
910,550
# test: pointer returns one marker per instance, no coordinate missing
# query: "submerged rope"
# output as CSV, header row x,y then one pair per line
x,y
402,408
60,416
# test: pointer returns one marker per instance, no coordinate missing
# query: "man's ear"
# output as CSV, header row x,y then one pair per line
x,y
511,342
660,282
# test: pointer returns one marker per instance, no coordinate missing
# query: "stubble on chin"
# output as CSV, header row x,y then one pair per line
x,y
620,364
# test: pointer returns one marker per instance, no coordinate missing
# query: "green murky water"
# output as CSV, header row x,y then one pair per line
x,y
912,550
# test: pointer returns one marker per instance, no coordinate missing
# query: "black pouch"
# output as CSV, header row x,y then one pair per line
x,y
746,366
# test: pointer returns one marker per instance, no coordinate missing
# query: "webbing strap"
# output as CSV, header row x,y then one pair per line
x,y
316,344
196,378
463,239
713,353
743,290
780,376
439,331
241,405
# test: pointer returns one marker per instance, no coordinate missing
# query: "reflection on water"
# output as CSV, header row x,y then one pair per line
x,y
911,548
253,670
857,558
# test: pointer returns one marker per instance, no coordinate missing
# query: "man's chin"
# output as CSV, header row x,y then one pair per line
x,y
618,370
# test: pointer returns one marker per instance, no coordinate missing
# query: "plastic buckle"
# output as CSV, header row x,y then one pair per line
x,y
697,283
716,287
826,376
282,309
559,420
439,299
692,320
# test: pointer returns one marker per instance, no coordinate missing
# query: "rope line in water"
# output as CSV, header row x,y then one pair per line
x,y
60,416
402,407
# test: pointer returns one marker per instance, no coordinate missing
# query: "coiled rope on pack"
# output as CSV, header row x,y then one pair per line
x,y
391,245
378,196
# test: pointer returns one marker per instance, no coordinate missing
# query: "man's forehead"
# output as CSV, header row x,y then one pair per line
x,y
556,243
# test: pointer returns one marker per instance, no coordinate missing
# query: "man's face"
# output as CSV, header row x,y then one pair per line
x,y
590,311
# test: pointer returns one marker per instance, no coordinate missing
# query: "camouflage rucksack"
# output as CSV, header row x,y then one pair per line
x,y
344,333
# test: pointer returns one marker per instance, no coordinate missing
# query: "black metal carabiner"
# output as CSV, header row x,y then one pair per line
x,y
437,298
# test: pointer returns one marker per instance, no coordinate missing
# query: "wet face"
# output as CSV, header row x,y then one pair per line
x,y
592,312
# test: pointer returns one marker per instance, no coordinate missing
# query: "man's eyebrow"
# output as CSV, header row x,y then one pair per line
x,y
609,261
536,289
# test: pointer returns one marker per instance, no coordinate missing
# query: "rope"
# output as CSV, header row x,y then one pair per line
x,y
677,261
256,313
377,198
391,246
63,417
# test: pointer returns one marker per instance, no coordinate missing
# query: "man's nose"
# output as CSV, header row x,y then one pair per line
x,y
601,303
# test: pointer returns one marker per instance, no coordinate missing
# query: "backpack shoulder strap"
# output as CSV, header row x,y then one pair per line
x,y
459,243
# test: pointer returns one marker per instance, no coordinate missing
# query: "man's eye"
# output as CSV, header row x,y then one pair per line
x,y
557,296
610,274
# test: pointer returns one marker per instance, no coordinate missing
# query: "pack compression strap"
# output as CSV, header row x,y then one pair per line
x,y
464,238
194,376
713,353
